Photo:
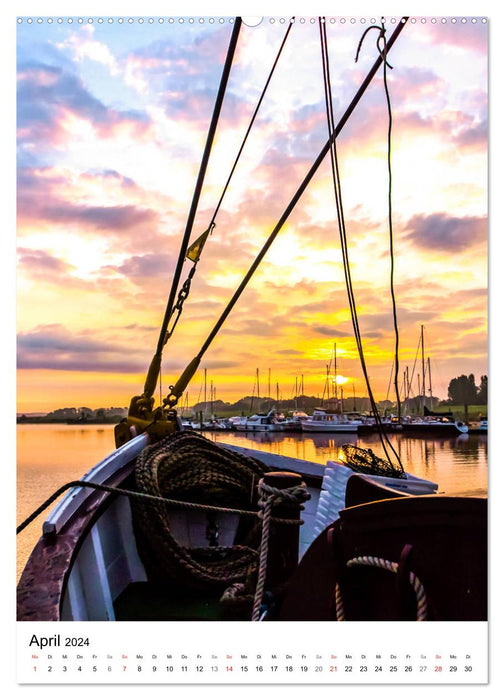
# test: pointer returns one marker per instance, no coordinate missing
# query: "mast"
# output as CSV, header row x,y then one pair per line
x,y
430,381
252,397
327,383
423,366
205,392
335,374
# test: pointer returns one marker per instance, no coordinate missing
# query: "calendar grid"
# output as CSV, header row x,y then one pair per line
x,y
174,653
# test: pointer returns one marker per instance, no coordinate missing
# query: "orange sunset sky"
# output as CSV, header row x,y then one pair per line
x,y
112,118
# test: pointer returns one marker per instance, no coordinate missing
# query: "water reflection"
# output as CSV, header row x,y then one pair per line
x,y
457,463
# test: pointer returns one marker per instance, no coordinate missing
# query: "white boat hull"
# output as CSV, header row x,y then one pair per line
x,y
257,427
436,427
325,427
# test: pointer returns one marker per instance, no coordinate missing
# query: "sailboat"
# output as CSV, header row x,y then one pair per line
x,y
432,422
171,526
330,419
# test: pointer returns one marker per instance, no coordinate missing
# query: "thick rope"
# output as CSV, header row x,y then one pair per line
x,y
189,466
270,497
392,566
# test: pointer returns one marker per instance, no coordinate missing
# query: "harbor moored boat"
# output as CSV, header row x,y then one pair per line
x,y
292,423
434,424
324,422
388,424
260,422
479,428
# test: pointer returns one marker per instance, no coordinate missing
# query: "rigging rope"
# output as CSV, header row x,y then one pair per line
x,y
342,228
252,121
414,367
391,230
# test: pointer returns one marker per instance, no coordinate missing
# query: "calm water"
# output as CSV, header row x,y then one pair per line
x,y
49,456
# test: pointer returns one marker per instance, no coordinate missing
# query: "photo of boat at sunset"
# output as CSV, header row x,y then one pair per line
x,y
233,233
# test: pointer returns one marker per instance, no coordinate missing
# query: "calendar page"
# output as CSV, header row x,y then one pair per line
x,y
252,372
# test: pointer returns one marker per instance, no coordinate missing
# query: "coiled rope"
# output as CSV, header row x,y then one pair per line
x,y
193,468
392,566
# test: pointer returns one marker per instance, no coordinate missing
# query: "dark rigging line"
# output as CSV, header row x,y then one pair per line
x,y
391,236
266,85
342,232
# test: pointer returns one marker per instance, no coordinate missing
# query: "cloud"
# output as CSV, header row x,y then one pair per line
x,y
99,218
83,46
182,74
328,331
472,136
48,94
43,265
442,232
54,347
50,197
459,35
140,266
